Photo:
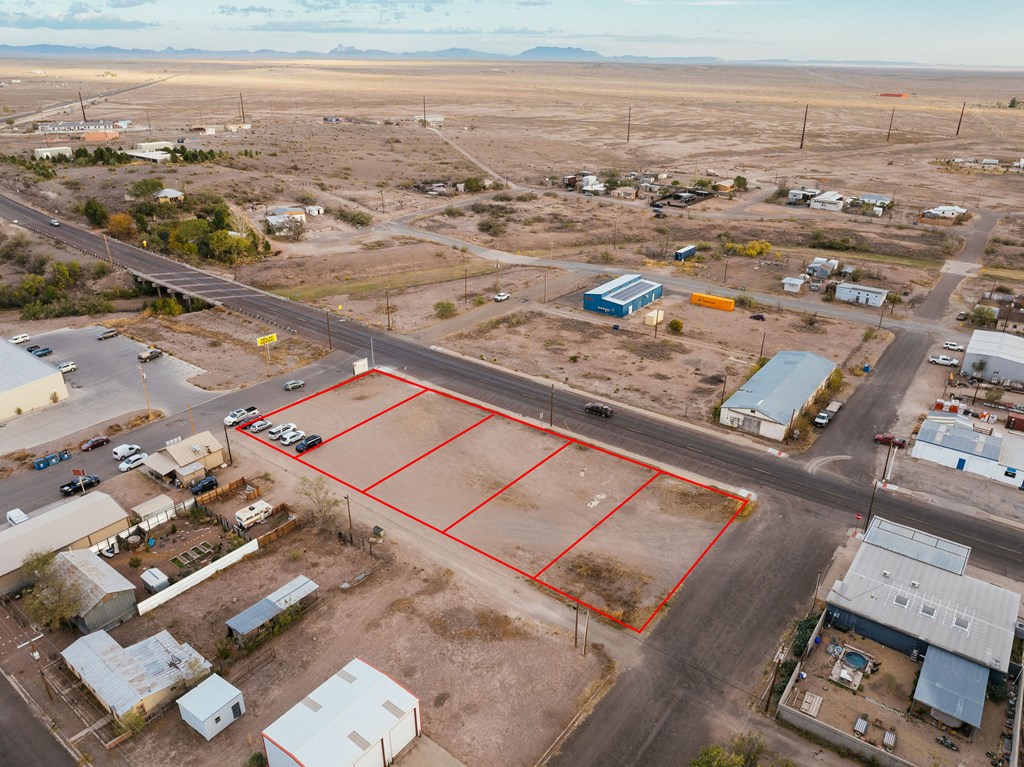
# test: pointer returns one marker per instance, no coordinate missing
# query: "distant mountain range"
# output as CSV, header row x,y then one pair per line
x,y
343,52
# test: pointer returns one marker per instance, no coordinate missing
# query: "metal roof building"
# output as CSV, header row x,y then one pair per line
x,y
360,716
622,296
84,522
906,589
768,402
27,382
855,293
139,677
251,623
211,706
952,441
108,598
1002,353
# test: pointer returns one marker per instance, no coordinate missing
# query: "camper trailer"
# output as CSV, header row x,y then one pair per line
x,y
253,515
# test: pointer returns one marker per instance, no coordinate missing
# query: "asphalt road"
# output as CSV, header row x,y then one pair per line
x,y
24,740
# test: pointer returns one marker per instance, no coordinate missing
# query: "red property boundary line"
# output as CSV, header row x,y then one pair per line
x,y
656,472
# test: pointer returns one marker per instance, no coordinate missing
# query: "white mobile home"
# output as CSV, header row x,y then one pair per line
x,y
854,293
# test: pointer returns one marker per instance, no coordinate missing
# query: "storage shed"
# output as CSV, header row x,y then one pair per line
x,y
154,580
686,252
768,403
854,293
360,717
829,201
250,625
1002,353
27,382
622,296
52,152
108,598
211,706
792,284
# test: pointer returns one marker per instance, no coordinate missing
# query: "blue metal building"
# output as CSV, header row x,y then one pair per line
x,y
622,296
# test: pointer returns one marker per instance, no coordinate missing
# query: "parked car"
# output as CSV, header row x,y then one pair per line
x,y
660,214
942,359
21,338
953,346
961,316
130,463
150,354
31,348
95,442
292,437
78,484
108,333
502,297
890,439
657,205
54,222
45,351
280,430
236,417
67,367
758,317
293,385
257,426
309,442
600,409
204,485
124,451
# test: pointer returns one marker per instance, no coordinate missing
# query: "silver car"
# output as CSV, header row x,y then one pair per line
x,y
259,426
130,463
292,437
279,431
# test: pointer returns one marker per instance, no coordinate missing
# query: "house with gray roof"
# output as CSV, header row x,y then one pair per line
x,y
768,403
907,589
107,597
140,677
255,622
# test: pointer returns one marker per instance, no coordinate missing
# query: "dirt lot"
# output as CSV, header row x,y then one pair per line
x,y
884,698
409,619
493,484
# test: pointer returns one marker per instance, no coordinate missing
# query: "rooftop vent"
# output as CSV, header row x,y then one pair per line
x,y
886,574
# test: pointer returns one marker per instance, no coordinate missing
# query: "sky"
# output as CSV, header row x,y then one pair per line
x,y
943,32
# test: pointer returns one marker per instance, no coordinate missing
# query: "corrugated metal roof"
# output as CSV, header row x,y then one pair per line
x,y
953,685
154,505
783,385
209,697
958,435
122,676
919,545
94,577
612,285
629,292
272,605
960,614
357,705
1002,346
856,287
59,527
161,463
18,368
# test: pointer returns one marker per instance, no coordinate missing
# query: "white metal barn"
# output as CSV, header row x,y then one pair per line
x,y
360,717
211,706
854,293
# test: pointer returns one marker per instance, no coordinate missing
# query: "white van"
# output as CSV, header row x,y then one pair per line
x,y
253,515
16,517
125,451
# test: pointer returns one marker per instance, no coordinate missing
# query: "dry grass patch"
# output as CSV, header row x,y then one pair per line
x,y
681,499
619,586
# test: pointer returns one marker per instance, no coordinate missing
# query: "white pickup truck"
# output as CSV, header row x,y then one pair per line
x,y
236,417
824,418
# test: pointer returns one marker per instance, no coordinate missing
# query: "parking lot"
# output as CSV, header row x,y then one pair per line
x,y
613,534
106,385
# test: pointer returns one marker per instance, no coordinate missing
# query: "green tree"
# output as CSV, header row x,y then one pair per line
x,y
978,366
323,504
713,755
445,309
225,247
473,184
740,182
146,187
983,315
54,599
185,237
95,212
1014,103
995,395
675,326
749,747
121,226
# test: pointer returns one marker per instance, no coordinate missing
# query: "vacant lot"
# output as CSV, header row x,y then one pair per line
x,y
536,502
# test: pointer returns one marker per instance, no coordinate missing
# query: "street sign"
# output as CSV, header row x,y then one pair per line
x,y
78,472
264,340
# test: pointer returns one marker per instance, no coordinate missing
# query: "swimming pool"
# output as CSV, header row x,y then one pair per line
x,y
855,660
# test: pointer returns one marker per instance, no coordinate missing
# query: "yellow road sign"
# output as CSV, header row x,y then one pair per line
x,y
264,340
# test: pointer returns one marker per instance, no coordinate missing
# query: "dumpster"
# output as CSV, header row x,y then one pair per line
x,y
378,532
52,459
65,455
40,463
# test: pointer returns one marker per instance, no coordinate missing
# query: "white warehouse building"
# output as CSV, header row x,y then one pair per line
x,y
1002,353
360,717
854,293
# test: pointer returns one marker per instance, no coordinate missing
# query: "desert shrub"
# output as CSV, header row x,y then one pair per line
x,y
445,309
492,226
675,326
746,301
452,212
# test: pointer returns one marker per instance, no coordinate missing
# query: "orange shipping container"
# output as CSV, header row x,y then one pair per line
x,y
714,302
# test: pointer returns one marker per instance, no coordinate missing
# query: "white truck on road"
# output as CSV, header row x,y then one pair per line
x,y
824,418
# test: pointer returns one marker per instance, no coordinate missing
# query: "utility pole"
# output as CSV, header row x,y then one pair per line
x,y
629,121
227,441
424,111
576,632
145,391
387,306
960,122
382,210
871,504
497,266
726,275
82,104
891,118
586,633
881,314
725,379
241,107
545,286
760,355
149,123
465,286
551,408
348,504
191,420
803,132
330,345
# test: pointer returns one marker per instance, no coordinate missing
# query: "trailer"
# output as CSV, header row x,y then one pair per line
x,y
253,515
714,302
824,418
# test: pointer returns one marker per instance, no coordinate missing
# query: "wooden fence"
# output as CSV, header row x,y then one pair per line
x,y
250,491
